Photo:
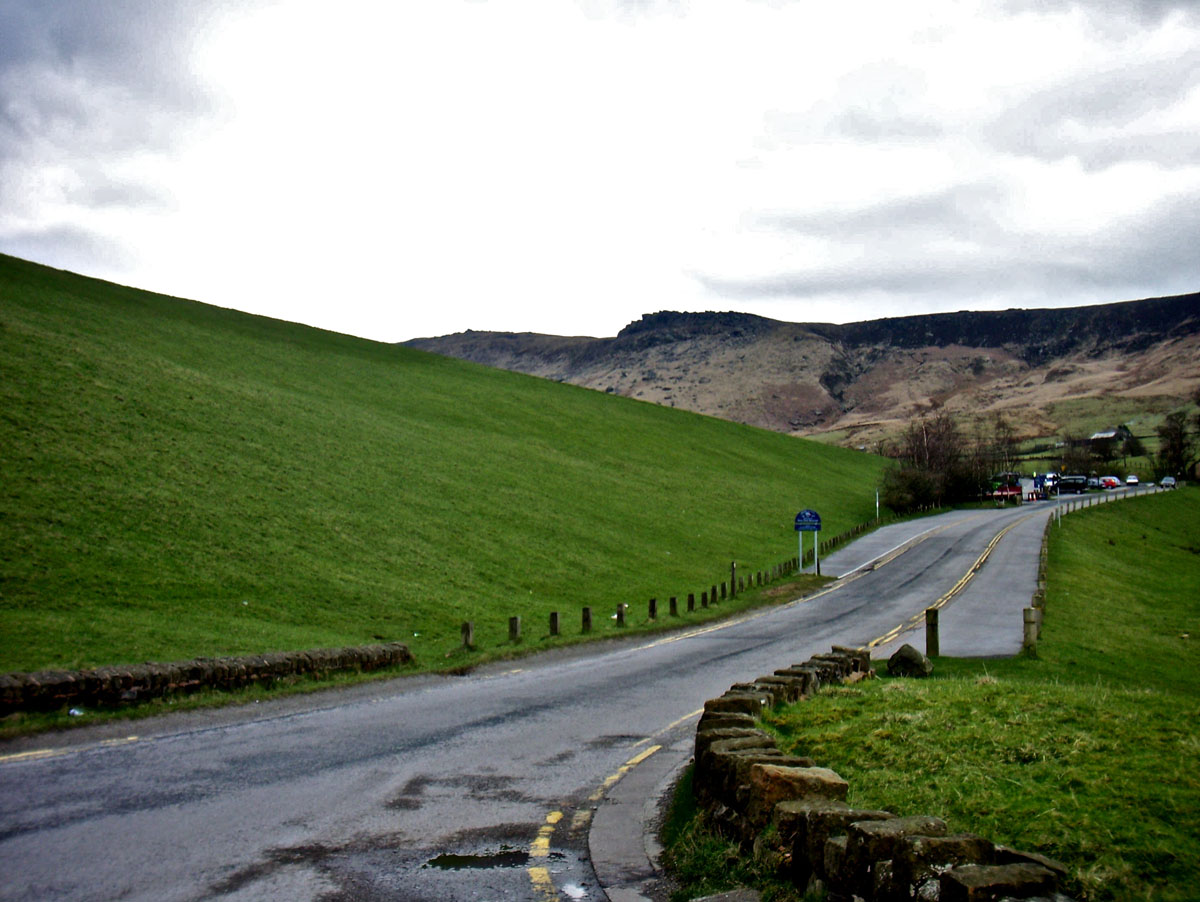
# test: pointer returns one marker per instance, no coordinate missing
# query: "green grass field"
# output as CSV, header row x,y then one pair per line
x,y
1086,753
183,480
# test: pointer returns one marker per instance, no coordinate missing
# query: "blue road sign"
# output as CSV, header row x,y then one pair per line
x,y
808,521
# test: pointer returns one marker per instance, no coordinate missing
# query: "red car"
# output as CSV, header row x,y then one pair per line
x,y
1109,482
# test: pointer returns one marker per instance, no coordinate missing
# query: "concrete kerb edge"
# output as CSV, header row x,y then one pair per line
x,y
634,807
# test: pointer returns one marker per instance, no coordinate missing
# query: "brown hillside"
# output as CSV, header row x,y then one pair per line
x,y
858,383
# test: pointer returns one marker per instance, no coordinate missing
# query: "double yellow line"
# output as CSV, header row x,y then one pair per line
x,y
917,619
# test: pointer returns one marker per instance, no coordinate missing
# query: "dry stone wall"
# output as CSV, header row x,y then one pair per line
x,y
746,784
48,690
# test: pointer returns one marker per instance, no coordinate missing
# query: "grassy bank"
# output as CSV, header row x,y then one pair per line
x,y
1086,753
183,480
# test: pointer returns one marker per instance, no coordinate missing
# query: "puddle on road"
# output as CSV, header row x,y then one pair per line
x,y
507,857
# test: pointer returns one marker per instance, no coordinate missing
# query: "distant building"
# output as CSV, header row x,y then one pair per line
x,y
1111,434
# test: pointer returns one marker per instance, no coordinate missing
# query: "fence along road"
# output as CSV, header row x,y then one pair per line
x,y
447,788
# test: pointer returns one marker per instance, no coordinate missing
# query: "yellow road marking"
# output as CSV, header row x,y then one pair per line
x,y
917,619
38,754
543,886
539,876
625,768
580,821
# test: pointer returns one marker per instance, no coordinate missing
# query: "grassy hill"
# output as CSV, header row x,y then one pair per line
x,y
182,480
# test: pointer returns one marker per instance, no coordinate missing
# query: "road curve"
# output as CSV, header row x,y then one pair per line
x,y
456,788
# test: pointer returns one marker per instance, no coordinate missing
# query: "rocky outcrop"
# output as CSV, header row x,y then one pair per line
x,y
809,378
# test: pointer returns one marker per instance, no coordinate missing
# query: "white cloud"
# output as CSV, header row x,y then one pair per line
x,y
414,169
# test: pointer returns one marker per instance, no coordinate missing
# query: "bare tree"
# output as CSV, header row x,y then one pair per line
x,y
1177,446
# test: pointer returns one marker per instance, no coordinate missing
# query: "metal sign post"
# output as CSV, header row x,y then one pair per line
x,y
809,520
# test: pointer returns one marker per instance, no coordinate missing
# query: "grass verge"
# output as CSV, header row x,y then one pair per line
x,y
1086,753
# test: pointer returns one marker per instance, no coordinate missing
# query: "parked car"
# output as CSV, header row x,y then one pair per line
x,y
1093,482
1131,479
1109,482
1073,485
1007,487
1168,482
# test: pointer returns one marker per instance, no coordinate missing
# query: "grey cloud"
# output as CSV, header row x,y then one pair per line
x,y
1095,103
69,247
1143,12
1148,254
871,126
950,211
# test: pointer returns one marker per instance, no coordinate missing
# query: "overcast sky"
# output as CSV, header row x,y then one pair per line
x,y
395,170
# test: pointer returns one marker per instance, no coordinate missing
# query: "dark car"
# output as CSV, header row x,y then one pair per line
x,y
1073,485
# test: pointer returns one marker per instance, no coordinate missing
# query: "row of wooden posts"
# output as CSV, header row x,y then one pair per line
x,y
720,591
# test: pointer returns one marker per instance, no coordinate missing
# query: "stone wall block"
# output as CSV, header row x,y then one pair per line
x,y
113,685
716,720
869,842
769,784
787,690
740,703
814,830
991,883
705,738
919,861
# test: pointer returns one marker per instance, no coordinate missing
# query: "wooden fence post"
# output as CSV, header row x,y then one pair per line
x,y
621,614
653,608
932,645
554,623
732,580
468,634
587,620
514,629
1029,616
674,609
691,602
703,599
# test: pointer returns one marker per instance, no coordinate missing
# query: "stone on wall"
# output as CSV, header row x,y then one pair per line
x,y
919,861
870,842
115,685
991,883
770,783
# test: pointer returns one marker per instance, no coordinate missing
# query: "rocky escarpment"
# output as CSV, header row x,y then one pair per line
x,y
863,379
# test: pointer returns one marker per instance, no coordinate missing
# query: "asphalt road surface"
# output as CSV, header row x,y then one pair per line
x,y
454,788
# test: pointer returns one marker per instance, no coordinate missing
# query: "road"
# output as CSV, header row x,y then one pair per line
x,y
454,788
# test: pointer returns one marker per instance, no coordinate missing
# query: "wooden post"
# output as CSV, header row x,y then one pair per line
x,y
703,599
653,608
760,578
691,602
712,594
554,623
621,614
732,579
514,629
932,645
674,609
1029,615
724,589
468,634
587,620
